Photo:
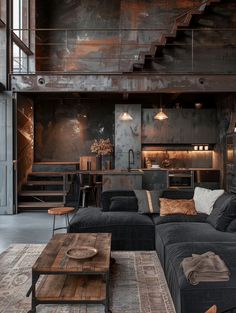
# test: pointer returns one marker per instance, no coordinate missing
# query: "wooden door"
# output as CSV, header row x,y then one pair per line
x,y
7,195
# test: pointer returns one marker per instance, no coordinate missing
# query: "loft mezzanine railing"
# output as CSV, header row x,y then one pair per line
x,y
193,50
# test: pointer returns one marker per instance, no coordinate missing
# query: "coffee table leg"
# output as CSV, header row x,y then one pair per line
x,y
107,293
35,278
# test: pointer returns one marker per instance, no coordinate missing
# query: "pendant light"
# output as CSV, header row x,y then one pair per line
x,y
125,116
161,115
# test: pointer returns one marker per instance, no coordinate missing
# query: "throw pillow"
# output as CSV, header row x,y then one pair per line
x,y
173,206
218,217
148,201
229,215
123,203
205,198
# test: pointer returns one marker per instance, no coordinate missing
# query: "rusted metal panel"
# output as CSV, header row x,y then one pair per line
x,y
124,181
108,35
67,134
124,83
183,126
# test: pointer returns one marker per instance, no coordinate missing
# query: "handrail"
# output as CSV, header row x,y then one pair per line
x,y
2,24
192,9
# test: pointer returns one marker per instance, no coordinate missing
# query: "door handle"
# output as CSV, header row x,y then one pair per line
x,y
14,164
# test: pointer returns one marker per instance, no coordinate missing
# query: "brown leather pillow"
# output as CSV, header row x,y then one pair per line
x,y
174,206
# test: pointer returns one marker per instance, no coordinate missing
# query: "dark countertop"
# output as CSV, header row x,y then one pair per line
x,y
182,169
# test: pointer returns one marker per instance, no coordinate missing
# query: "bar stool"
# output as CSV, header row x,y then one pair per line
x,y
59,212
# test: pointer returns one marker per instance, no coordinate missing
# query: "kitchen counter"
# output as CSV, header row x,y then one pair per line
x,y
182,169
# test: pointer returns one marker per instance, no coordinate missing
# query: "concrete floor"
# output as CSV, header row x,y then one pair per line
x,y
27,227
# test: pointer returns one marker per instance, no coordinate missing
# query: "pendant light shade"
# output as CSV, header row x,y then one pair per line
x,y
125,116
161,115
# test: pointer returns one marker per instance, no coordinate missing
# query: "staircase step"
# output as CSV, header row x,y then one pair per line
x,y
46,193
52,173
45,183
40,204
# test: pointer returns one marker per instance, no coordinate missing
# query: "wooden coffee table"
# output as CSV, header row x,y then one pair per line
x,y
70,281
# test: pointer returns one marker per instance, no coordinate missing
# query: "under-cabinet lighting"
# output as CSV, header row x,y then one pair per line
x,y
206,148
201,148
195,148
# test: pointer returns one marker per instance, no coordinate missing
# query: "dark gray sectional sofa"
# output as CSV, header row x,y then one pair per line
x,y
174,238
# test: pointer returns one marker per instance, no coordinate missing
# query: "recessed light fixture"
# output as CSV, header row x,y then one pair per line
x,y
206,148
201,148
235,128
195,148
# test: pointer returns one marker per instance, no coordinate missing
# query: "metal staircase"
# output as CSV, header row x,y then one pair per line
x,y
47,186
181,21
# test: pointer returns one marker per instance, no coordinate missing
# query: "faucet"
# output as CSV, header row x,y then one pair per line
x,y
131,152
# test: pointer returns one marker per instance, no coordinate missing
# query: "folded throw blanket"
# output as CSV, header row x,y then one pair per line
x,y
207,267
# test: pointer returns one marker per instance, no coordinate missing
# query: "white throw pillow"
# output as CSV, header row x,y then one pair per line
x,y
204,199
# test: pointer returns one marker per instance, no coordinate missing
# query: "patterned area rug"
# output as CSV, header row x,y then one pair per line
x,y
138,284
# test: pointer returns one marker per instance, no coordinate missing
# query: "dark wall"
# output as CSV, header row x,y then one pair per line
x,y
65,128
113,33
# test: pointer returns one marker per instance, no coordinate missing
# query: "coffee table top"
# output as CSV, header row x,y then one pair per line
x,y
53,258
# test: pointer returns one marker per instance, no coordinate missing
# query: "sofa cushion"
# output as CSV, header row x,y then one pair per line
x,y
130,230
148,201
177,206
232,226
195,299
200,217
122,203
205,198
108,194
219,215
171,233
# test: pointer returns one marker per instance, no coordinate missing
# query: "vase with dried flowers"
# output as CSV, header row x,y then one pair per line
x,y
102,147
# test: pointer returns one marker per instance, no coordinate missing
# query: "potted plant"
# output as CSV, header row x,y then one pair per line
x,y
102,147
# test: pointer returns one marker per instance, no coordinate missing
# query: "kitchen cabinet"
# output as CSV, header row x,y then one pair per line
x,y
183,126
230,164
154,179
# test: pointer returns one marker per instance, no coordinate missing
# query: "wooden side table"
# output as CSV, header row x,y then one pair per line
x,y
58,212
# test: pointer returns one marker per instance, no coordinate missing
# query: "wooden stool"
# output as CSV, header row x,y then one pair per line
x,y
60,211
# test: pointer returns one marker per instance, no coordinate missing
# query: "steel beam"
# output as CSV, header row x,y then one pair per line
x,y
123,83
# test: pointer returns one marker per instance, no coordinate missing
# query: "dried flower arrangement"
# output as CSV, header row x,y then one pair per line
x,y
102,147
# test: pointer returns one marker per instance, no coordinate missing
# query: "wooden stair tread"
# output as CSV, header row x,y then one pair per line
x,y
56,163
52,173
44,182
40,204
42,193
